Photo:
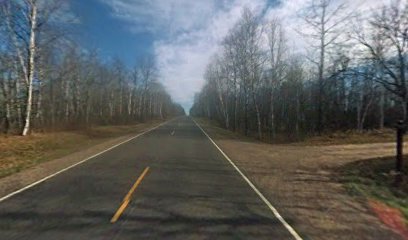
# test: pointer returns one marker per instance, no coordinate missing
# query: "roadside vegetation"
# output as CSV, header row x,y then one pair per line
x,y
385,135
350,78
18,153
374,179
49,81
351,137
57,97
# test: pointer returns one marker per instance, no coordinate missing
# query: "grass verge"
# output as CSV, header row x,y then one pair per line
x,y
373,179
325,139
18,153
352,137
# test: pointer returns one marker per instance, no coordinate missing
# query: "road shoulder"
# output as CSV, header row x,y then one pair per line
x,y
302,183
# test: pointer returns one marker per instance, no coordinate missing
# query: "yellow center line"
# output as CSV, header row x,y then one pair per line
x,y
128,196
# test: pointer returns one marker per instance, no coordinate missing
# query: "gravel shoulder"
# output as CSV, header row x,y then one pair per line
x,y
302,183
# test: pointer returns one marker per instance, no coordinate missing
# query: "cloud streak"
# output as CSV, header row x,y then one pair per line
x,y
189,32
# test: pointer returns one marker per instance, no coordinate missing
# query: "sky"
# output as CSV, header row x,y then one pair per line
x,y
181,34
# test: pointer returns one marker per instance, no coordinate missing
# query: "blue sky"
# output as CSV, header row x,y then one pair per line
x,y
100,29
181,34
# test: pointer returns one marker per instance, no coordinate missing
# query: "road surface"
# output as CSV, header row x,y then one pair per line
x,y
190,191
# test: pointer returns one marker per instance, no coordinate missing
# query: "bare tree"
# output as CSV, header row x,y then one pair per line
x,y
325,20
264,87
386,40
216,76
277,49
250,66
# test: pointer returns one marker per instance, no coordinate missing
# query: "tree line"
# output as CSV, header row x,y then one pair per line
x,y
352,74
47,80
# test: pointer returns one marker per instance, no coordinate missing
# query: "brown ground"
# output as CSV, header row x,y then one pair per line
x,y
24,160
301,182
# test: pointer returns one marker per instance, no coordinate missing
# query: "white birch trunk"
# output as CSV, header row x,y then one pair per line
x,y
31,67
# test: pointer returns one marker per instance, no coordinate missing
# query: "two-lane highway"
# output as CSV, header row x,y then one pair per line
x,y
177,183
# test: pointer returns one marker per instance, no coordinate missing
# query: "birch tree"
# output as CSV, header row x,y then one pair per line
x,y
25,21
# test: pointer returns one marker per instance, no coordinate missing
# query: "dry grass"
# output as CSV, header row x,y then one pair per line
x,y
18,153
352,137
385,135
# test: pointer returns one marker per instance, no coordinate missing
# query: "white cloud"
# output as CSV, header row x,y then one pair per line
x,y
182,60
190,32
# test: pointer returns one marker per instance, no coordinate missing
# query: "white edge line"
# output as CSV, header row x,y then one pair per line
x,y
266,201
78,163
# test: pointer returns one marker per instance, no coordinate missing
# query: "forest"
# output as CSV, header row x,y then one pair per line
x,y
49,81
351,75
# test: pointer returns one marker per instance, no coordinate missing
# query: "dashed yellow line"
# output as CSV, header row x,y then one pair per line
x,y
128,196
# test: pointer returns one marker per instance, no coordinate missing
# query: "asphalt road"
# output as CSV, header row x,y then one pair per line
x,y
190,192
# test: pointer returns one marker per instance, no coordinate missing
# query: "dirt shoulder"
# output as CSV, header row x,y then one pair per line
x,y
302,183
31,159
